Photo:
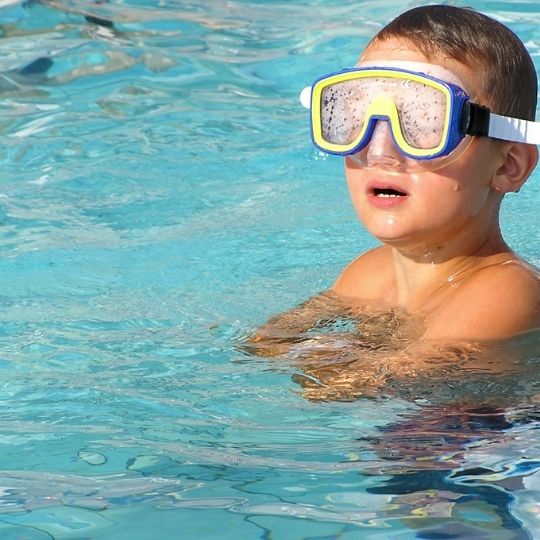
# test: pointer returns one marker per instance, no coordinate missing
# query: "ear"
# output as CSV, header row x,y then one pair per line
x,y
519,160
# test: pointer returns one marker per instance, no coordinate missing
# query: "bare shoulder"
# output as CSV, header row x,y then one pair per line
x,y
496,301
367,276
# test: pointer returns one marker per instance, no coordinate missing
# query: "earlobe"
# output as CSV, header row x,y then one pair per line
x,y
519,161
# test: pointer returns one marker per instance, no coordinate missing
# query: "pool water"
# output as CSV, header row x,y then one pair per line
x,y
159,199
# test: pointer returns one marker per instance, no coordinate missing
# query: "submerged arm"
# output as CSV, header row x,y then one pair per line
x,y
281,332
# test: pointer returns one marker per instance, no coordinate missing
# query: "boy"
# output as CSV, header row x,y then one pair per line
x,y
427,167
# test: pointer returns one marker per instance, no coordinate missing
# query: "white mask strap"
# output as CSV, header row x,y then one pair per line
x,y
513,129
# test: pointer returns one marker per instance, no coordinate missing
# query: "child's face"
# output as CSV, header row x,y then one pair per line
x,y
438,205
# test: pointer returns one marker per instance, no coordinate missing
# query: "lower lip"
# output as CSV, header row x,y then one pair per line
x,y
386,202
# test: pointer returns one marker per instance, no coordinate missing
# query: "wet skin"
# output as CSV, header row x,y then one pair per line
x,y
443,254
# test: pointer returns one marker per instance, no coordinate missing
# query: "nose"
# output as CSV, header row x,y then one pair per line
x,y
382,150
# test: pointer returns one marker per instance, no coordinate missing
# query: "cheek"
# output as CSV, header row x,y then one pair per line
x,y
356,184
465,184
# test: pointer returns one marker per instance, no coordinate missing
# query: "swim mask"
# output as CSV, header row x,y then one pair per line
x,y
430,120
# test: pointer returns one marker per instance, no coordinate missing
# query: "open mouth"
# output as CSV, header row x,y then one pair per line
x,y
388,192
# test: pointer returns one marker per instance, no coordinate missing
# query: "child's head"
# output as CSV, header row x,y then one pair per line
x,y
405,192
507,73
425,160
492,67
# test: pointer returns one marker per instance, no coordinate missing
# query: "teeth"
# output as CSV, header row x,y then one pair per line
x,y
387,195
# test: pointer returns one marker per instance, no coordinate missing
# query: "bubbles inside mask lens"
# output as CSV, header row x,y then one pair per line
x,y
421,109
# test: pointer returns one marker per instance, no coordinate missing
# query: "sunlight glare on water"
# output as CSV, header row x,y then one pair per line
x,y
159,199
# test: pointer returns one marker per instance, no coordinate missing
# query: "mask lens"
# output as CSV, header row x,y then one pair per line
x,y
343,110
345,105
422,114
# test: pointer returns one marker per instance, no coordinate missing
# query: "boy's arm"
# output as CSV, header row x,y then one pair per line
x,y
284,330
442,371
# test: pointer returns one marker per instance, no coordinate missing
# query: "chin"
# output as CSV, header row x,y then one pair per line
x,y
394,240
388,232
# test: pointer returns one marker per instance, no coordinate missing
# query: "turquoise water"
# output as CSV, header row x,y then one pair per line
x,y
159,198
